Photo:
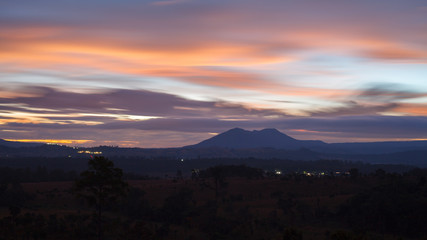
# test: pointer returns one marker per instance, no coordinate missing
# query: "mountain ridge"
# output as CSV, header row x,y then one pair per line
x,y
16,144
239,143
239,138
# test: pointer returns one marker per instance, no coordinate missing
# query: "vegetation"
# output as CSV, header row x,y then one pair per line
x,y
101,186
221,202
159,166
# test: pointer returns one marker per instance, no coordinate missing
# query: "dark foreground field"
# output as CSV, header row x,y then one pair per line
x,y
375,206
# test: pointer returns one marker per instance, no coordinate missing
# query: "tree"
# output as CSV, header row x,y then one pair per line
x,y
218,174
100,185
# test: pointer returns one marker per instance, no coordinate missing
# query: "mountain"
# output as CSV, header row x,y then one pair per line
x,y
237,143
238,138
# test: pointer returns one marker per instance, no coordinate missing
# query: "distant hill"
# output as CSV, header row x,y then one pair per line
x,y
236,143
376,147
12,144
238,138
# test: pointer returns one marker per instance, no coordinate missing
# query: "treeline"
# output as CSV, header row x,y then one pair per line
x,y
138,169
160,166
232,202
397,206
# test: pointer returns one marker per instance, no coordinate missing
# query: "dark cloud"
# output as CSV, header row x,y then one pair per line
x,y
374,100
184,115
119,103
390,92
348,127
354,108
366,126
180,125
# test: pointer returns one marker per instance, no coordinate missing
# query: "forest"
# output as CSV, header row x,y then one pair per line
x,y
217,202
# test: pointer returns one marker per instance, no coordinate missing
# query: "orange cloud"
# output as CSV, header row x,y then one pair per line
x,y
195,54
304,131
9,93
356,44
396,53
214,62
52,141
191,64
412,109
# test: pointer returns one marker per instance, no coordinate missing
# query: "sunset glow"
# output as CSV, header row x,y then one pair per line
x,y
51,141
172,73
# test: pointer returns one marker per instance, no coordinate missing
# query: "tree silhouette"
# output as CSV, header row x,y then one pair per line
x,y
100,185
218,173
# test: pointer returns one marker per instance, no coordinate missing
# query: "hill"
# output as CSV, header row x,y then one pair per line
x,y
238,138
236,143
13,144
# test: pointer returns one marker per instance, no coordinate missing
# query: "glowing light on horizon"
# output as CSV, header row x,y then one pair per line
x,y
52,141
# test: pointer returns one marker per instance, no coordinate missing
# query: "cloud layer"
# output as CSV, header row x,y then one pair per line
x,y
144,118
137,71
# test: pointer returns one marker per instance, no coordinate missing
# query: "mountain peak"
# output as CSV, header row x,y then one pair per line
x,y
263,131
236,129
241,138
271,130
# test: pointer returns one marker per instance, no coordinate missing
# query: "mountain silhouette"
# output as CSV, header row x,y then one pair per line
x,y
238,138
13,144
239,143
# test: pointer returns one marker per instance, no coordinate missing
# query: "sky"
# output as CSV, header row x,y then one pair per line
x,y
170,73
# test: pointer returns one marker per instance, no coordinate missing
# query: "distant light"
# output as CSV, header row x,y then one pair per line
x,y
89,152
182,159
